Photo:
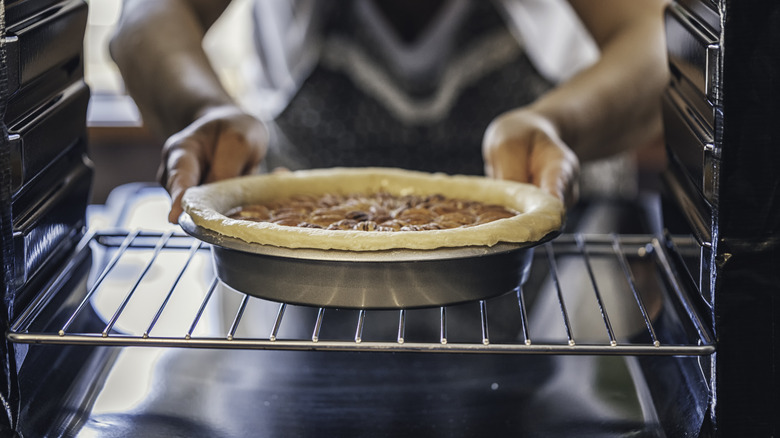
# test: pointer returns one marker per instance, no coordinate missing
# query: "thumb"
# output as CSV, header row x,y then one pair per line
x,y
560,179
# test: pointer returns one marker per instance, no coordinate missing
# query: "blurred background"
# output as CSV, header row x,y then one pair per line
x,y
122,149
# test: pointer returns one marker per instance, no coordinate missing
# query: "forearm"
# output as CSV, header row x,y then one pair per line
x,y
615,104
158,49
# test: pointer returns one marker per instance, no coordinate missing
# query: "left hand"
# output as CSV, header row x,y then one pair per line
x,y
223,142
523,146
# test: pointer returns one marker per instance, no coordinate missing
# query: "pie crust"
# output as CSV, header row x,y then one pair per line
x,y
539,212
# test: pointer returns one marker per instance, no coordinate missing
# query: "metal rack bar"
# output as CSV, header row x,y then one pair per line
x,y
523,316
401,326
483,316
123,247
193,250
277,322
599,301
202,308
265,344
632,284
315,336
586,247
443,325
559,291
234,326
138,281
671,275
359,328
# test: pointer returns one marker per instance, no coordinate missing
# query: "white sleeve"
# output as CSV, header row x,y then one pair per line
x,y
263,50
554,38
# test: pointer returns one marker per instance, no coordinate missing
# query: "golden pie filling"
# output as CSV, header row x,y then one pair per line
x,y
380,211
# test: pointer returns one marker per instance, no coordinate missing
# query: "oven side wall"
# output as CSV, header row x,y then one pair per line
x,y
45,180
746,224
5,232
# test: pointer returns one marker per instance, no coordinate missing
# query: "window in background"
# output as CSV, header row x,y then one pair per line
x,y
109,105
226,44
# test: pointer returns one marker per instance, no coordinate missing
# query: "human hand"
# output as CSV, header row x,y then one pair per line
x,y
523,146
221,143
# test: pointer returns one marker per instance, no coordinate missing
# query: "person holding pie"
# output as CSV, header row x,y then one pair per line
x,y
522,90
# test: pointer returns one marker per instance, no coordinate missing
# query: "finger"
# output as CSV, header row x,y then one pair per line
x,y
232,157
489,155
490,169
508,161
552,181
251,169
487,158
253,165
560,179
184,171
176,208
258,147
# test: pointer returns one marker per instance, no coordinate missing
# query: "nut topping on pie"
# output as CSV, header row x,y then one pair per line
x,y
374,212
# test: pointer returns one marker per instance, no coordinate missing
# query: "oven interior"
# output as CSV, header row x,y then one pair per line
x,y
639,320
570,350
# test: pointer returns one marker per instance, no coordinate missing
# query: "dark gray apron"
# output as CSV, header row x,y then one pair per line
x,y
332,122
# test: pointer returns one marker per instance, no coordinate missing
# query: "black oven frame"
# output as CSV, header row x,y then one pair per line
x,y
721,178
721,110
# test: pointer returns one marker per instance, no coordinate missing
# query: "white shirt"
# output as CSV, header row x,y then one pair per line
x,y
288,38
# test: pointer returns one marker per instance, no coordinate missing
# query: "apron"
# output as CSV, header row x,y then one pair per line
x,y
373,100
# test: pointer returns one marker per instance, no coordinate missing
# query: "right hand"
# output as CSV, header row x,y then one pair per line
x,y
221,143
521,145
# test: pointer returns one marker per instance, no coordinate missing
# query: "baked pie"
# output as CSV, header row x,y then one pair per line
x,y
369,209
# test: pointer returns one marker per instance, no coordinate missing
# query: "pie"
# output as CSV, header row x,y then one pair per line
x,y
370,209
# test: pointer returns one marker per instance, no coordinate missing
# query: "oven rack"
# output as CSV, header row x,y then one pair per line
x,y
36,325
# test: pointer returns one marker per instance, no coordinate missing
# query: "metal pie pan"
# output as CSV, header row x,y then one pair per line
x,y
387,279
